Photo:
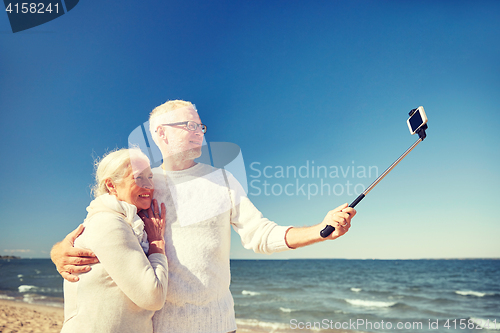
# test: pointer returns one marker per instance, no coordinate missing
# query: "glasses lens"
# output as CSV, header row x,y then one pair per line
x,y
191,125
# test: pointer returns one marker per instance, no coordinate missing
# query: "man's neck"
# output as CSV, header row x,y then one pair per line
x,y
172,165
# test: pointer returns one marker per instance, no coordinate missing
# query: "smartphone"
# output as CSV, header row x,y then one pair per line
x,y
417,120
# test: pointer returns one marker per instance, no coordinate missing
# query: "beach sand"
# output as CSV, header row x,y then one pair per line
x,y
20,317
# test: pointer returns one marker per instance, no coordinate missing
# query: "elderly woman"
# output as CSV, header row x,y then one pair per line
x,y
122,291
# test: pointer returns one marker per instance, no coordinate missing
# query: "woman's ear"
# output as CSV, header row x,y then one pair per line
x,y
111,187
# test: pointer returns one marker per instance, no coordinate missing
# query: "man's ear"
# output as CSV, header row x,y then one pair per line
x,y
111,187
162,134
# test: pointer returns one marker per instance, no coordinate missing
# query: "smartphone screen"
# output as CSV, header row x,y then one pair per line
x,y
415,121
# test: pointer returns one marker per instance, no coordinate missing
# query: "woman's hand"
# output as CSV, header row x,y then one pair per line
x,y
154,224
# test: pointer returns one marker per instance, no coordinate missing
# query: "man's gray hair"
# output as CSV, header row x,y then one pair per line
x,y
155,119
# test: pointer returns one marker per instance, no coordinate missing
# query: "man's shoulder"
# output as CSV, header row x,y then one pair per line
x,y
205,167
197,169
198,164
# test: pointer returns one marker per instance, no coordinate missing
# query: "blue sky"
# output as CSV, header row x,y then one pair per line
x,y
292,83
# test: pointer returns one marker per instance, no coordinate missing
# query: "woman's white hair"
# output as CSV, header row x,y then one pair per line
x,y
114,165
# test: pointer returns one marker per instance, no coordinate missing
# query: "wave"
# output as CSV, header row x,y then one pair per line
x,y
370,304
33,298
30,297
7,297
441,301
267,326
473,293
287,310
34,289
25,288
356,290
44,300
250,293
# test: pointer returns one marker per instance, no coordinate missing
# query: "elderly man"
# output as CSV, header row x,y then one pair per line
x,y
202,204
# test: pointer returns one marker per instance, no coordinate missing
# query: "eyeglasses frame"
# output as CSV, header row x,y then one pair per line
x,y
189,121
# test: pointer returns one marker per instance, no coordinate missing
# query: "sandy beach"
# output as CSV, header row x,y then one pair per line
x,y
20,317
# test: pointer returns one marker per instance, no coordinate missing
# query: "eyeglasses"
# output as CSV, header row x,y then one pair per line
x,y
190,125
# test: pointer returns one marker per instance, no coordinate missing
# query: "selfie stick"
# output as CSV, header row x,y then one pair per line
x,y
421,133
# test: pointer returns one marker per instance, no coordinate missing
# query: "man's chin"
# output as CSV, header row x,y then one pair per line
x,y
184,155
192,153
196,152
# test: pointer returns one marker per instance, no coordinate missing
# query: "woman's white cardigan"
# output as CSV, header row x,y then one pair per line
x,y
122,291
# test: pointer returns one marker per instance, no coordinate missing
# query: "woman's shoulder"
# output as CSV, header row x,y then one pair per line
x,y
105,220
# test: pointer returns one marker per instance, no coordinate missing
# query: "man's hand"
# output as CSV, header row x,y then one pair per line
x,y
340,218
68,259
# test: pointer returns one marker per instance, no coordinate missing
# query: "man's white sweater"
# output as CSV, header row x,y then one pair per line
x,y
202,203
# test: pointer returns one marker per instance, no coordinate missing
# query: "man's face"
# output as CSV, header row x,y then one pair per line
x,y
181,141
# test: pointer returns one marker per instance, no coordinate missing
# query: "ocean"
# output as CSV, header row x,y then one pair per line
x,y
327,294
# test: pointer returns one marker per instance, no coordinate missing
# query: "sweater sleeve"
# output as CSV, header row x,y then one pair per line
x,y
256,232
115,245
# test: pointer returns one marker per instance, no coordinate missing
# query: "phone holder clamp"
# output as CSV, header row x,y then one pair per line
x,y
421,131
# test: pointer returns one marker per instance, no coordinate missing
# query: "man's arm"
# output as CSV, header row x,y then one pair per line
x,y
340,218
68,259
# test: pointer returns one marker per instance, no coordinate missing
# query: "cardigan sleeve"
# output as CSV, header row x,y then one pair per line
x,y
256,232
143,280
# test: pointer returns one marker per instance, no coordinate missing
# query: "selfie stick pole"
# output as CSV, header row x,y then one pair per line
x,y
421,133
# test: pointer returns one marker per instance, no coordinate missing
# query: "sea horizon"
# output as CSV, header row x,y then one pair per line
x,y
277,259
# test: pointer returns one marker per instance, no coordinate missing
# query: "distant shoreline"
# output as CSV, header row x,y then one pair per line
x,y
10,257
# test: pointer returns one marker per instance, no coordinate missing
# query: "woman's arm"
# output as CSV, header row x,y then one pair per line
x,y
115,245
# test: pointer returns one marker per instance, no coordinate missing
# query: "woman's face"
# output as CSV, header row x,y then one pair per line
x,y
136,187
